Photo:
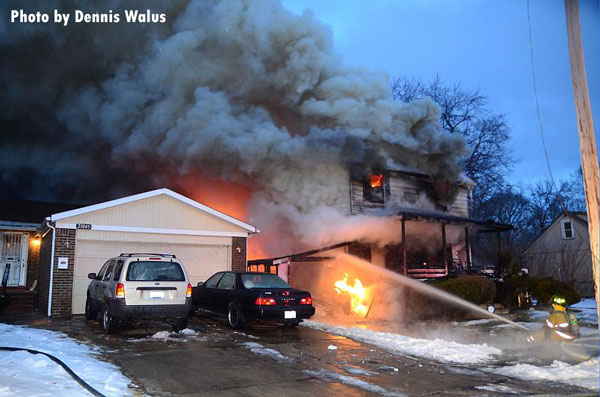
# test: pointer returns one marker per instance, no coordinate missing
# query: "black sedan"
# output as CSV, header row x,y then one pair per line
x,y
246,297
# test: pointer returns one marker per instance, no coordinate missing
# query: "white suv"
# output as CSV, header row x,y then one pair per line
x,y
139,286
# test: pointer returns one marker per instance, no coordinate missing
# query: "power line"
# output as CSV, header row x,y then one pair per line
x,y
539,117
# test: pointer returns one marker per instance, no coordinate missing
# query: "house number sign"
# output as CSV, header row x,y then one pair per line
x,y
84,226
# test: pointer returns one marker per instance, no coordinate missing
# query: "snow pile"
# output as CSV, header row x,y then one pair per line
x,y
246,335
437,349
498,389
584,374
359,371
259,349
25,374
167,336
586,310
329,376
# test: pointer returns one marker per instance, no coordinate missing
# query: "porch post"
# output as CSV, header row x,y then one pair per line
x,y
499,251
404,267
468,248
444,254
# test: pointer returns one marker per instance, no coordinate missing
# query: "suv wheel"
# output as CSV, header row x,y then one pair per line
x,y
180,324
89,313
108,322
235,317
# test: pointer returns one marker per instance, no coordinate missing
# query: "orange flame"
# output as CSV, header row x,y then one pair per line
x,y
377,180
358,294
226,197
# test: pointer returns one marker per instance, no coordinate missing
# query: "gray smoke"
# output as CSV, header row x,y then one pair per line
x,y
240,90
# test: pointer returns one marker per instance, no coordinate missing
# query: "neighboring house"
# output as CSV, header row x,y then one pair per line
x,y
435,224
19,246
562,252
79,241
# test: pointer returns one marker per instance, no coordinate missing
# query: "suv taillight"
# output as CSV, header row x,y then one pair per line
x,y
265,301
188,293
306,301
120,291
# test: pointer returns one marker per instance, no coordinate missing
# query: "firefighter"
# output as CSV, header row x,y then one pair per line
x,y
561,325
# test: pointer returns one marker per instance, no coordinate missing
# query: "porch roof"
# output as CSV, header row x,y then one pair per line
x,y
18,226
483,226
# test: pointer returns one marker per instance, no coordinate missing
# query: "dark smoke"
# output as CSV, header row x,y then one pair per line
x,y
241,90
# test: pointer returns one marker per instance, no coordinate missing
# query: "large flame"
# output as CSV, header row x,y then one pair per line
x,y
359,295
226,197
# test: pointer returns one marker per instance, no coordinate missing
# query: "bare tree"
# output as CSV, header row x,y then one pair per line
x,y
464,112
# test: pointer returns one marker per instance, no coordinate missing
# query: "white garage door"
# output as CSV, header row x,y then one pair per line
x,y
200,261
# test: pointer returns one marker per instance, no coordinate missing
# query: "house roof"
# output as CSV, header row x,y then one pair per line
x,y
141,196
29,212
574,215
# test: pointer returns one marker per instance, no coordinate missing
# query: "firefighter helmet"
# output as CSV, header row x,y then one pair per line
x,y
559,301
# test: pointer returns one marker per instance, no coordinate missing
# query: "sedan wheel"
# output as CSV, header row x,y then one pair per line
x,y
235,317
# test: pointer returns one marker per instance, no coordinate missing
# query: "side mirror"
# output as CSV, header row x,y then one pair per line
x,y
200,284
92,276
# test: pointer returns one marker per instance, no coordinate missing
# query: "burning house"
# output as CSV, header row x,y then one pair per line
x,y
247,108
431,227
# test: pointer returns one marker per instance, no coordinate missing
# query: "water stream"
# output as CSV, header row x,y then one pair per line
x,y
424,288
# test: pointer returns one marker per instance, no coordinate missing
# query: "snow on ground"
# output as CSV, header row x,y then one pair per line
x,y
25,374
584,374
329,376
586,310
439,350
259,349
475,322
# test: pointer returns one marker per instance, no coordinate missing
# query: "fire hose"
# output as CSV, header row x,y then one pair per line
x,y
83,383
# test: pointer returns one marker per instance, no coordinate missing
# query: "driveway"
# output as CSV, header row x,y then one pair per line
x,y
270,360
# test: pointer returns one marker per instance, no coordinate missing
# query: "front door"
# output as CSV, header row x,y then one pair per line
x,y
13,256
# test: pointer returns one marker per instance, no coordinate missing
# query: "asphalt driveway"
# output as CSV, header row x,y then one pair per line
x,y
270,360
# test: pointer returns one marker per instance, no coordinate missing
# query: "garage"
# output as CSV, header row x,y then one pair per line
x,y
80,241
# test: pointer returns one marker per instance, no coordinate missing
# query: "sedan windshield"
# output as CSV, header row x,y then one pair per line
x,y
155,271
263,281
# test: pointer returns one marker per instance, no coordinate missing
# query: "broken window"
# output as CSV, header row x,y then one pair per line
x,y
376,188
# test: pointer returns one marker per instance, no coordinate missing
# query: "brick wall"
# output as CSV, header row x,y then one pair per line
x,y
44,272
33,257
62,285
238,259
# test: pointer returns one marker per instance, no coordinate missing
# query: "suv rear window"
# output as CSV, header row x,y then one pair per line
x,y
155,271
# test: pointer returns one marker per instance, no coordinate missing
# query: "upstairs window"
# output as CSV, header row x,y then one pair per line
x,y
568,232
376,188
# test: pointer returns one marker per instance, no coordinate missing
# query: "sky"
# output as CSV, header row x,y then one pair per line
x,y
481,45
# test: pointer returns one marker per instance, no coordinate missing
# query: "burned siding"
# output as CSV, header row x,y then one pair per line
x,y
404,190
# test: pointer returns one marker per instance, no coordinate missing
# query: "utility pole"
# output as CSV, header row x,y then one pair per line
x,y
587,141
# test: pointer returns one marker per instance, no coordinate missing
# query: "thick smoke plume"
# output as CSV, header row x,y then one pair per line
x,y
242,92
